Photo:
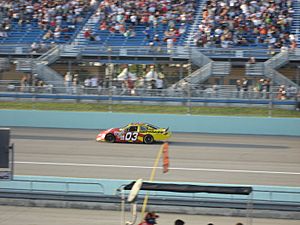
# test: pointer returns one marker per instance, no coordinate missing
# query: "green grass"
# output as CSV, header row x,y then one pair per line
x,y
99,107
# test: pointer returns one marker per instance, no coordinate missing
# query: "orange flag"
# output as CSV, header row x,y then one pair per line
x,y
165,157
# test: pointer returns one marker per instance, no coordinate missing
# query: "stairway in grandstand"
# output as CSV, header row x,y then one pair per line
x,y
79,41
27,33
189,41
207,69
268,69
295,29
40,67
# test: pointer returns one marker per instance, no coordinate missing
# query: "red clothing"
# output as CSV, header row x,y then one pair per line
x,y
130,84
87,34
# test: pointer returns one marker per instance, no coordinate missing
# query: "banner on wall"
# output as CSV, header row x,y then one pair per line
x,y
166,161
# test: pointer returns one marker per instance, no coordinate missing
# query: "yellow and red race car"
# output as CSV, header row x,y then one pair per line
x,y
135,133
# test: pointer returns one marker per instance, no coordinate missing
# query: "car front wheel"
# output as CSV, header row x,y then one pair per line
x,y
148,139
110,138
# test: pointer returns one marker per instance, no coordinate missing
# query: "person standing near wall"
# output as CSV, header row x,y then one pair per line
x,y
68,82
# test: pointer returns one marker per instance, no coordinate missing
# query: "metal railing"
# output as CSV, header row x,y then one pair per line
x,y
278,60
50,56
48,75
142,51
195,95
256,69
4,64
198,58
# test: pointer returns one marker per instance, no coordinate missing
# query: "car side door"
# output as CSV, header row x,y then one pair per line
x,y
131,134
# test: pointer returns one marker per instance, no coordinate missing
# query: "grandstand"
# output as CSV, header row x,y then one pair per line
x,y
130,24
209,41
25,23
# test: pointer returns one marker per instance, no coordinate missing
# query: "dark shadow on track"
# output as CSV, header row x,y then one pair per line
x,y
49,138
225,145
174,143
63,138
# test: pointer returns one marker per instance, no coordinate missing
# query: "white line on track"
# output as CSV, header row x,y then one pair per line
x,y
149,167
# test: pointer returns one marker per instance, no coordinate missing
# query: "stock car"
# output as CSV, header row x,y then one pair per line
x,y
135,133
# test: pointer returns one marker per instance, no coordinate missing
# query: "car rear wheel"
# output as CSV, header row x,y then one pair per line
x,y
110,138
148,139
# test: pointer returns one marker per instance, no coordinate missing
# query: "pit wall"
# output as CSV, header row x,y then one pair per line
x,y
176,123
109,187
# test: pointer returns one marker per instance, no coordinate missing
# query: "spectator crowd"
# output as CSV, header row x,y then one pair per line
x,y
122,17
225,23
230,23
57,18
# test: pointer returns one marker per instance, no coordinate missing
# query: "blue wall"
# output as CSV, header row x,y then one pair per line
x,y
177,123
109,187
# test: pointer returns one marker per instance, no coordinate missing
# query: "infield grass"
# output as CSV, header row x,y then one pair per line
x,y
195,110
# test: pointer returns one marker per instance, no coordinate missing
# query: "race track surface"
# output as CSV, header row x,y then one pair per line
x,y
50,216
204,158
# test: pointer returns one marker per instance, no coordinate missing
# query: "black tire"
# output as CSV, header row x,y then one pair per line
x,y
110,138
148,139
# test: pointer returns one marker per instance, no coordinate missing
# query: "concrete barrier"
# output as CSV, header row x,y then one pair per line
x,y
109,187
177,123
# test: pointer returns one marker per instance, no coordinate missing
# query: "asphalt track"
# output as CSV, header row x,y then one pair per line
x,y
204,158
51,216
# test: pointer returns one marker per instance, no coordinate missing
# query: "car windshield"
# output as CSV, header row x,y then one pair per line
x,y
143,128
129,126
133,128
153,127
